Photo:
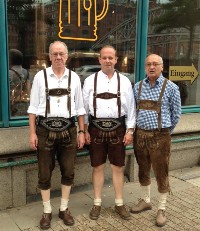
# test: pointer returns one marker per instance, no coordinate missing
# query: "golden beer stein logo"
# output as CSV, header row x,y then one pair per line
x,y
78,19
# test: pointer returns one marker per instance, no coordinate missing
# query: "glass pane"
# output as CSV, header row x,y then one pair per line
x,y
84,25
174,34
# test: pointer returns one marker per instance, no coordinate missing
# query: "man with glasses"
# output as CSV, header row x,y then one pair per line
x,y
56,99
158,112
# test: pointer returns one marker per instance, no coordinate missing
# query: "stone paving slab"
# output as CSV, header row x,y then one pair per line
x,y
183,209
183,213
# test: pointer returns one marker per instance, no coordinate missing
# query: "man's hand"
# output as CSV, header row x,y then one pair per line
x,y
81,140
87,137
128,139
33,141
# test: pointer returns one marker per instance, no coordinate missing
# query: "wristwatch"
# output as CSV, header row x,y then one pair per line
x,y
81,131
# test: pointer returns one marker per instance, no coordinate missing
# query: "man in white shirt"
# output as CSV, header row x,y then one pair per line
x,y
56,99
109,125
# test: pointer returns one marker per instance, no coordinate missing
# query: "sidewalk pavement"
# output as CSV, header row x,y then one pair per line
x,y
183,209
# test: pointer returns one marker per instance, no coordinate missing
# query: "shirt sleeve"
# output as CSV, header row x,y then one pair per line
x,y
131,109
80,110
35,95
175,108
86,99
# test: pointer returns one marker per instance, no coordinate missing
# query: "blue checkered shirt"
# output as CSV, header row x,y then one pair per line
x,y
170,105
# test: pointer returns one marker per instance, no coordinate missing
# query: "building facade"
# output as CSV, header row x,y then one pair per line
x,y
136,28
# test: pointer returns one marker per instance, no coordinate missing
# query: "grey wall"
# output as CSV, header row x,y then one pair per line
x,y
19,183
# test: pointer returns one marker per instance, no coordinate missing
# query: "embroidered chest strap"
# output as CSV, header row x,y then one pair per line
x,y
57,92
107,95
151,104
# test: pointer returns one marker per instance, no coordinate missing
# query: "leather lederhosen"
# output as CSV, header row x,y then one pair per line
x,y
152,147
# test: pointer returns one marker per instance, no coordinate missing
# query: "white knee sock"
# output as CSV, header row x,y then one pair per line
x,y
97,201
63,204
146,193
47,206
162,201
119,202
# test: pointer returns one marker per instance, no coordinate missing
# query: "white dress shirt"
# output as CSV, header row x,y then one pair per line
x,y
108,108
58,105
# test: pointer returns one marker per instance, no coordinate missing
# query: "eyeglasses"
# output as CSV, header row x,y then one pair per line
x,y
153,64
61,54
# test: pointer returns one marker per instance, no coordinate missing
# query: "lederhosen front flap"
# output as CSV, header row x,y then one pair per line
x,y
151,104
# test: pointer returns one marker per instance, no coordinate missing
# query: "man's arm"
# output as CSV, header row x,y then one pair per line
x,y
33,136
175,108
81,132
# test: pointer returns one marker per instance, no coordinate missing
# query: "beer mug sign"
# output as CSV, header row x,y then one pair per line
x,y
78,19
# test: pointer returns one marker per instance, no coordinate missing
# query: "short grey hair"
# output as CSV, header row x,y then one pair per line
x,y
51,44
153,54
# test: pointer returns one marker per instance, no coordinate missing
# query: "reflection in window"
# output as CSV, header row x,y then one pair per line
x,y
33,25
67,31
84,23
85,32
174,28
19,83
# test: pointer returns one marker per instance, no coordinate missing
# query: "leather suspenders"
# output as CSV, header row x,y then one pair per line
x,y
151,104
107,95
57,92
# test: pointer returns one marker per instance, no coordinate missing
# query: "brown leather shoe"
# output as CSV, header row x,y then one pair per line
x,y
140,207
161,218
123,212
45,221
95,212
66,217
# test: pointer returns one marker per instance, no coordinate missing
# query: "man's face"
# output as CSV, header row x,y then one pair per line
x,y
153,67
107,59
58,55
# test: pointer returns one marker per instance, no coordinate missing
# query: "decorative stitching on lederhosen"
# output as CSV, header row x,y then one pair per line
x,y
57,92
107,134
151,104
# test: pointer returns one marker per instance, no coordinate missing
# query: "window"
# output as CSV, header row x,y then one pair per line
x,y
31,29
33,25
174,34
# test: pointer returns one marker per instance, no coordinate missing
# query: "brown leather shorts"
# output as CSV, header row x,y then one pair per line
x,y
63,150
105,145
152,149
